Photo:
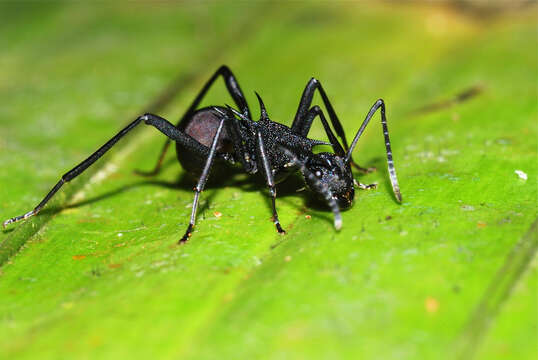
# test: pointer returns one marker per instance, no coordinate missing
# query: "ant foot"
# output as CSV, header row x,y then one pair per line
x,y
367,186
187,235
19,218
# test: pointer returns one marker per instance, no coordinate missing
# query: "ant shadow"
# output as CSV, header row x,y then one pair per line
x,y
223,176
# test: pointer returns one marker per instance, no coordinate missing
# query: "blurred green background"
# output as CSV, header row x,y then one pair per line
x,y
449,273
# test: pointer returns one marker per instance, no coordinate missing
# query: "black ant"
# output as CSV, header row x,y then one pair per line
x,y
231,136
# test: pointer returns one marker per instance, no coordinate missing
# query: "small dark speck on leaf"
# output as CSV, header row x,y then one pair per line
x,y
96,272
388,217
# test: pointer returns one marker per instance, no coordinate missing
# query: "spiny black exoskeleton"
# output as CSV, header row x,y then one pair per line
x,y
227,135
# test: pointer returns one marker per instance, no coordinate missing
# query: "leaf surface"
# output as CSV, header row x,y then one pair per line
x,y
100,274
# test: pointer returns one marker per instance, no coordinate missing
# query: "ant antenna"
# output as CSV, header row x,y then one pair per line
x,y
392,171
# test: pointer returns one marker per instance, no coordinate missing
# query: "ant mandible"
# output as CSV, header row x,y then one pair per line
x,y
231,136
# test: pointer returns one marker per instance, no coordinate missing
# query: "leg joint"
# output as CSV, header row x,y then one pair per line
x,y
224,69
145,118
315,109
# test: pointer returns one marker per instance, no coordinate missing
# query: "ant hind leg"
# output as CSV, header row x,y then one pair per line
x,y
161,124
232,85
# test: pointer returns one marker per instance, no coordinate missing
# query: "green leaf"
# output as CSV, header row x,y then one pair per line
x,y
448,273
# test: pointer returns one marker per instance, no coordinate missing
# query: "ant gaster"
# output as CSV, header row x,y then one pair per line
x,y
231,136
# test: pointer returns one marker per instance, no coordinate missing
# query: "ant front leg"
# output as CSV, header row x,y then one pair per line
x,y
161,124
269,178
303,121
365,186
232,85
201,183
309,118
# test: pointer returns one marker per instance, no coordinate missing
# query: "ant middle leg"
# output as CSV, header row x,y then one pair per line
x,y
232,85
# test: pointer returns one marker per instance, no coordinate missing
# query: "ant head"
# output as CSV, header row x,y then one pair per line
x,y
333,173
